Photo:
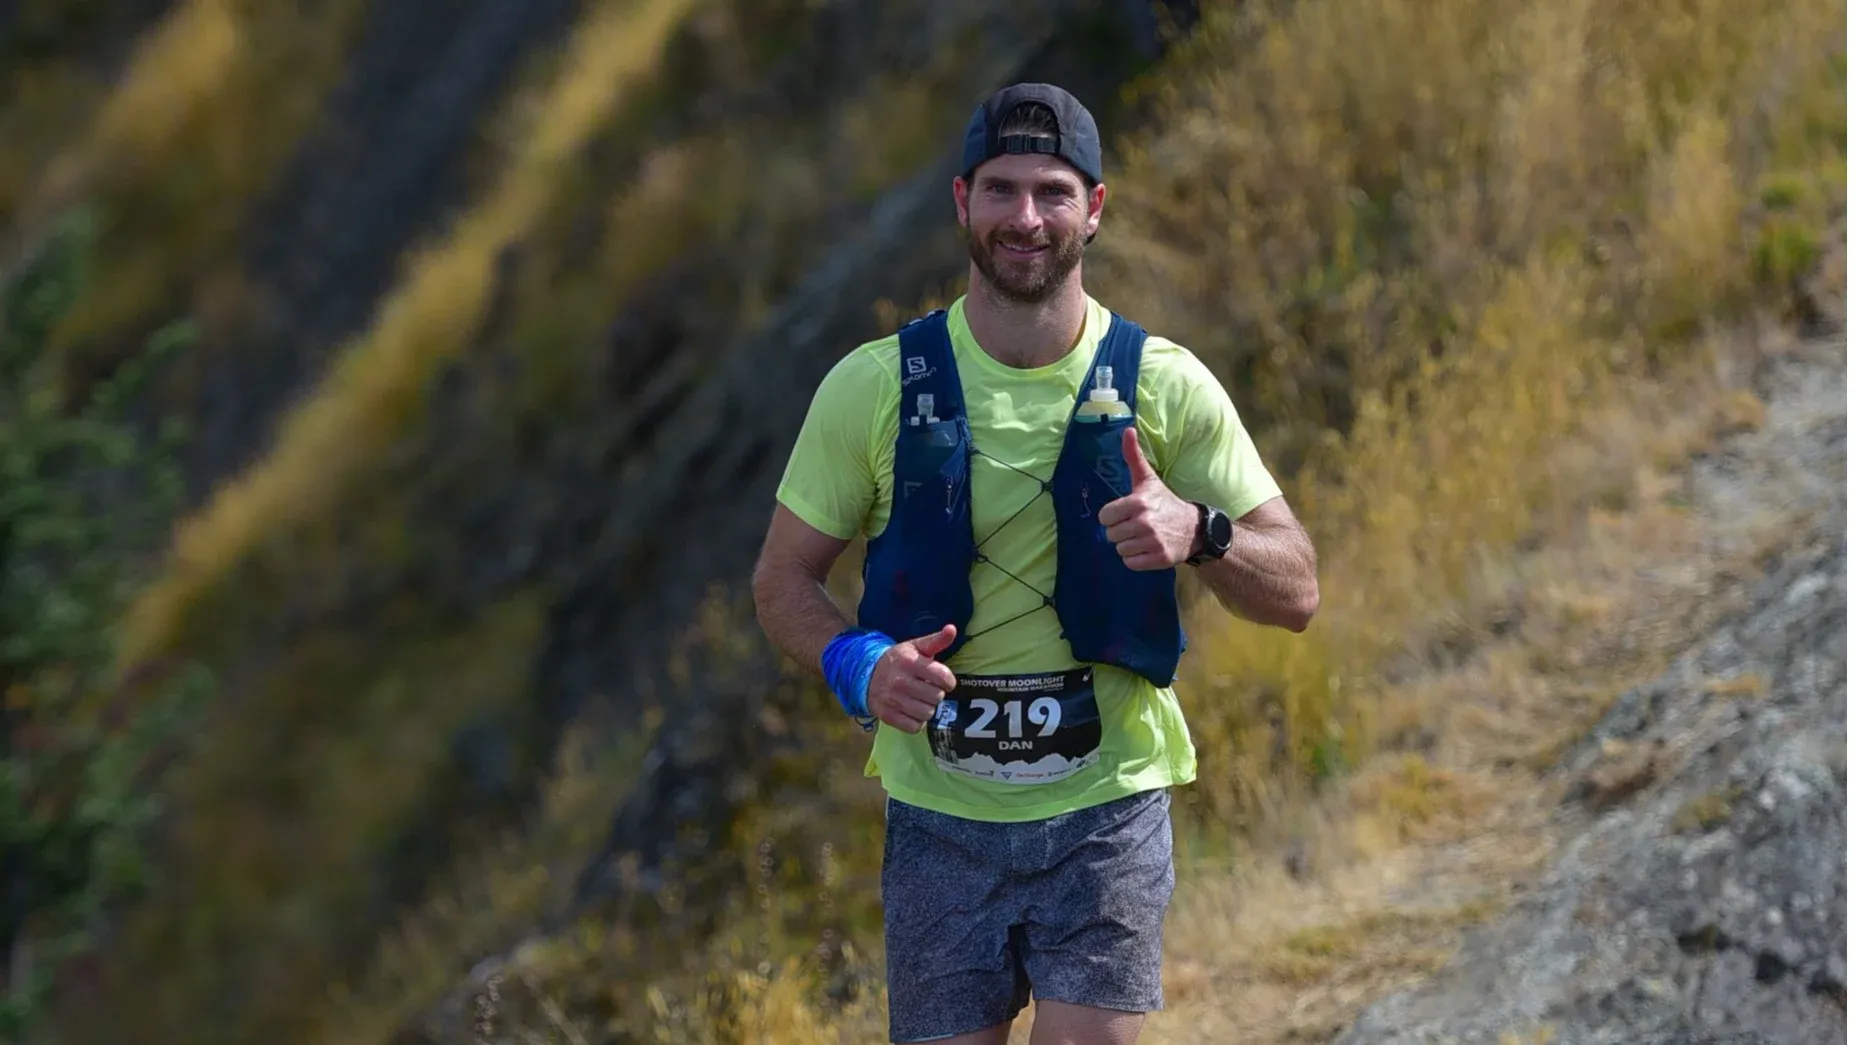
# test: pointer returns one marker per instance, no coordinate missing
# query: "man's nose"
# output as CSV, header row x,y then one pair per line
x,y
1024,214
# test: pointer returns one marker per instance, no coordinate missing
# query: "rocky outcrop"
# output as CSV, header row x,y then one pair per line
x,y
1700,897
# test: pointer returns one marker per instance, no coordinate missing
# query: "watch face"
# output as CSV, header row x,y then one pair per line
x,y
1219,530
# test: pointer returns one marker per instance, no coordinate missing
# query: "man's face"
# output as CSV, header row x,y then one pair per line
x,y
1027,217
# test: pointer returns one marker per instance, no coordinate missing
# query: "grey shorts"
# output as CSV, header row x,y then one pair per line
x,y
980,917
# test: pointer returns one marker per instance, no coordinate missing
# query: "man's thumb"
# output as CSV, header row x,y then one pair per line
x,y
929,645
1139,470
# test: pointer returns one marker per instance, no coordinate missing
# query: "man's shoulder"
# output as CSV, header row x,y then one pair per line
x,y
1168,352
1168,368
1156,346
883,354
1166,362
868,369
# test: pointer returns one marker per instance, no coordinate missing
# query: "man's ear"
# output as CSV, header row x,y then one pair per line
x,y
1098,195
960,200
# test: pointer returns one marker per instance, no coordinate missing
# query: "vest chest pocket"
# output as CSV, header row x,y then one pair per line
x,y
1106,476
931,470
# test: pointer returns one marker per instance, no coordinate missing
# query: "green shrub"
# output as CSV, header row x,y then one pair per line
x,y
83,501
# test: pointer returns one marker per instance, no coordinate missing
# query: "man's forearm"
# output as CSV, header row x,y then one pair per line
x,y
796,612
1267,576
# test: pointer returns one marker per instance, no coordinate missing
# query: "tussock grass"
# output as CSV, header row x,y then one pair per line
x,y
380,380
334,503
740,185
1423,247
1705,812
1378,937
39,103
1426,249
290,876
488,899
211,103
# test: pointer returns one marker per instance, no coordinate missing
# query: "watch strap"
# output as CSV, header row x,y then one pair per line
x,y
1208,548
1202,535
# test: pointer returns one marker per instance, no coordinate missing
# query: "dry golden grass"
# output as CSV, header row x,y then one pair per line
x,y
283,874
1704,812
1473,225
306,519
1500,218
1364,888
1367,887
491,898
1741,687
212,101
1483,722
43,102
688,192
379,380
1488,222
180,70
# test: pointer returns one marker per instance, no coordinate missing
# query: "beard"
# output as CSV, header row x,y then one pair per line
x,y
1028,281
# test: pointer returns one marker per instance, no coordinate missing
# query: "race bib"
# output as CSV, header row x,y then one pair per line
x,y
1018,729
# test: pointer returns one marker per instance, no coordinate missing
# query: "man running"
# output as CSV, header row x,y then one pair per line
x,y
1016,642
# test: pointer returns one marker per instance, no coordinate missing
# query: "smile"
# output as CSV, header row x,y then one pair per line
x,y
1021,252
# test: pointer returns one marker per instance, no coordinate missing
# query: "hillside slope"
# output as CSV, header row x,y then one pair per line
x,y
493,321
485,297
1698,891
1513,870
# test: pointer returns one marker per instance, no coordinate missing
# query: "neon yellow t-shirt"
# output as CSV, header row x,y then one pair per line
x,y
838,480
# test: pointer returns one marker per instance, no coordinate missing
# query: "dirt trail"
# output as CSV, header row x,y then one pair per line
x,y
1507,808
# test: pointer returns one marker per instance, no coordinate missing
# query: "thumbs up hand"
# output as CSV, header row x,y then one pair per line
x,y
908,682
1152,528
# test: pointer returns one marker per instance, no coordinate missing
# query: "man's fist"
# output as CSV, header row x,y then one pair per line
x,y
1152,529
908,682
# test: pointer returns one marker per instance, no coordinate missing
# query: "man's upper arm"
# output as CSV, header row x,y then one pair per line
x,y
1213,458
829,482
793,541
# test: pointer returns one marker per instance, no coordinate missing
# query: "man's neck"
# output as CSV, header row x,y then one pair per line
x,y
1021,335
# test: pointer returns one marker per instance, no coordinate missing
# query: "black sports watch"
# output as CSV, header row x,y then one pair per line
x,y
1214,535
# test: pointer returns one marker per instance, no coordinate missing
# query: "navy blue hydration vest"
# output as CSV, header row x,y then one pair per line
x,y
916,572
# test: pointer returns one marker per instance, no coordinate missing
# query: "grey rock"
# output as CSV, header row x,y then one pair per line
x,y
1709,905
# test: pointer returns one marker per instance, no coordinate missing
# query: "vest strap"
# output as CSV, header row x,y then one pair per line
x,y
926,362
1120,349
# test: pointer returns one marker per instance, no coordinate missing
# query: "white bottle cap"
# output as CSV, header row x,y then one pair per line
x,y
1104,392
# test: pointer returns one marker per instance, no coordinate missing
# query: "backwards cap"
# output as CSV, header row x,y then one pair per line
x,y
1077,143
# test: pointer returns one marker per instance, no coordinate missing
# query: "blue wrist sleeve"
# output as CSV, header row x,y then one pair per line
x,y
848,661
